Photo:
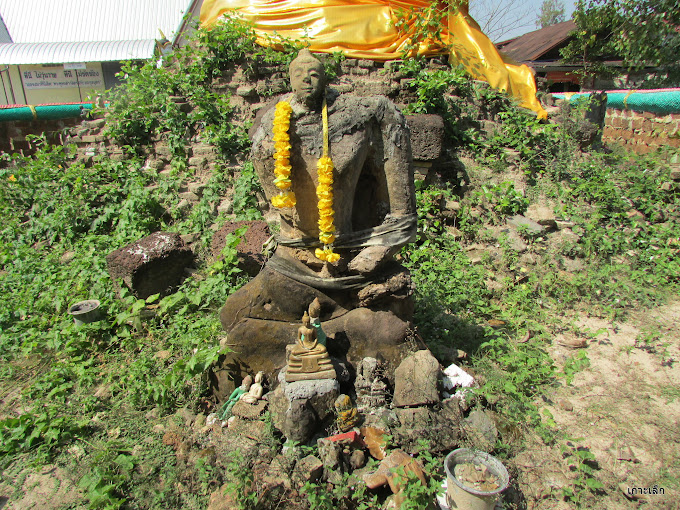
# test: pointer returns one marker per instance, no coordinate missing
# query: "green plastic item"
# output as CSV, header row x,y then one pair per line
x,y
44,112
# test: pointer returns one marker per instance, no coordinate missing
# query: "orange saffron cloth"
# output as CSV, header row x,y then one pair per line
x,y
365,29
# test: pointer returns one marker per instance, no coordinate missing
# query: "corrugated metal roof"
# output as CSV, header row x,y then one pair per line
x,y
533,45
63,52
35,21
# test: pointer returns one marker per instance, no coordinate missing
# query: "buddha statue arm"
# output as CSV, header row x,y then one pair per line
x,y
398,170
262,158
398,161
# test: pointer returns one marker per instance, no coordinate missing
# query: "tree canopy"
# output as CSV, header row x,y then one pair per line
x,y
552,12
640,33
501,18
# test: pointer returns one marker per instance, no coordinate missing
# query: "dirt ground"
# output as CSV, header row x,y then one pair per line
x,y
624,408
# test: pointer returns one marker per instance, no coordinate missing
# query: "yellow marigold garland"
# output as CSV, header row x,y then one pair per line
x,y
282,156
324,190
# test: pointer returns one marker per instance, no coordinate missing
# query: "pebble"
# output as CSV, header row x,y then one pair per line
x,y
566,405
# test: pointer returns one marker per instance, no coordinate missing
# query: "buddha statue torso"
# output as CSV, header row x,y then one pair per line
x,y
369,145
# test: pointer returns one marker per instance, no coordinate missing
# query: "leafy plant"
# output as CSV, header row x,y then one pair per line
x,y
514,376
581,461
503,199
240,482
44,429
151,104
422,25
246,189
416,494
575,364
440,91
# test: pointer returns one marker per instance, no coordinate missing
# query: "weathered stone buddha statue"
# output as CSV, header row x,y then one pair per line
x,y
371,194
347,415
338,170
308,359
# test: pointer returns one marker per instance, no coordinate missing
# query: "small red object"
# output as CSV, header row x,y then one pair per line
x,y
351,437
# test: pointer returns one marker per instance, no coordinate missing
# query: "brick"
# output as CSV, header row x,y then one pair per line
x,y
154,264
162,149
198,161
375,87
359,71
405,83
19,145
245,90
344,88
427,136
265,87
270,68
202,150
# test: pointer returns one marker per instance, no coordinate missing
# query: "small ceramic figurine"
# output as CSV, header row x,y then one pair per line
x,y
348,416
256,390
309,358
235,396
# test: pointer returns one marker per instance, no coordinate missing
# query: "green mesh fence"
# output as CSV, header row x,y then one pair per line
x,y
660,101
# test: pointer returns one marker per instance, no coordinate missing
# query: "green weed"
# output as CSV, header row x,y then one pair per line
x,y
574,365
581,461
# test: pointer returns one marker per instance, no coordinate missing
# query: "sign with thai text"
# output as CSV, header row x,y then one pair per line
x,y
61,78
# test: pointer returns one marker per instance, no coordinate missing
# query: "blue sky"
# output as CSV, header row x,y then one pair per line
x,y
519,14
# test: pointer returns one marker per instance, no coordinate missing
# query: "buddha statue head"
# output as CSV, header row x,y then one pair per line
x,y
308,79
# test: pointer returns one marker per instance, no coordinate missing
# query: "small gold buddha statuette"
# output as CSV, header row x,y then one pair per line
x,y
308,359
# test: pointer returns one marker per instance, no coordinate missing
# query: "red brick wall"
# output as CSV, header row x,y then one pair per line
x,y
641,132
